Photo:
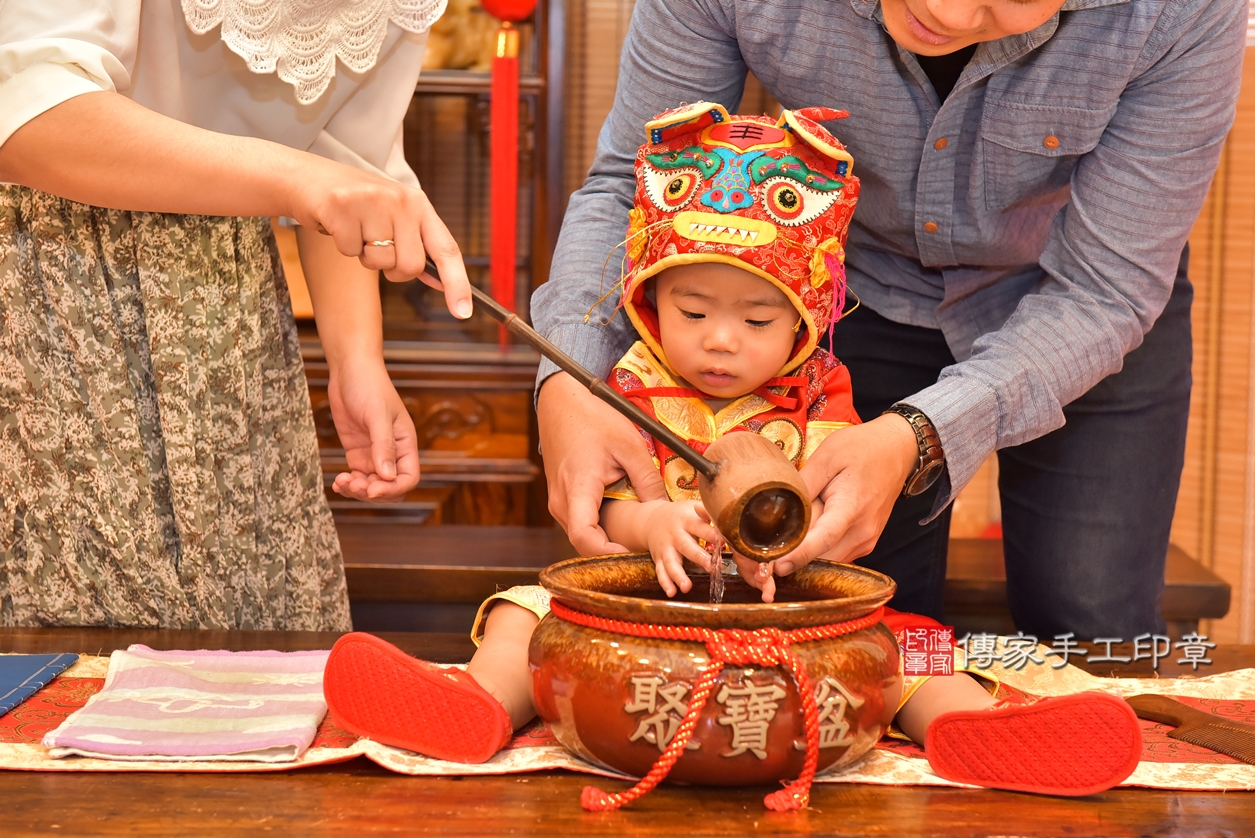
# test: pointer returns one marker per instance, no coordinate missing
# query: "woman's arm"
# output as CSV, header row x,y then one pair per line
x,y
376,430
103,149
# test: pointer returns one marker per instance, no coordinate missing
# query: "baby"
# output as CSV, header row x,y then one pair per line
x,y
734,270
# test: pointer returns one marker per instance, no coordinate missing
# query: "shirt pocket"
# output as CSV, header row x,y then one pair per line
x,y
1030,151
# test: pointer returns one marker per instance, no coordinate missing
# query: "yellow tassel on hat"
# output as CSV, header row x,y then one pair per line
x,y
820,272
637,238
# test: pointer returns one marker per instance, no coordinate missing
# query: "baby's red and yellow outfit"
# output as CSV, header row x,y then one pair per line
x,y
771,196
797,412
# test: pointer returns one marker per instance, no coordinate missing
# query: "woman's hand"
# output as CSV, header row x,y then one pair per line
x,y
587,446
857,473
387,226
374,426
380,443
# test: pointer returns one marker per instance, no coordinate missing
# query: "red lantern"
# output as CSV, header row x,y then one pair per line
x,y
505,150
515,11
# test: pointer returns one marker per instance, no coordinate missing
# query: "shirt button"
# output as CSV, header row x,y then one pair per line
x,y
1051,142
930,227
941,143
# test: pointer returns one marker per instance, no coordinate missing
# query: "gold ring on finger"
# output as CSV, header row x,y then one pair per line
x,y
381,243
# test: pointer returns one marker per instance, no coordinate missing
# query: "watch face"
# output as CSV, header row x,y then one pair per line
x,y
925,478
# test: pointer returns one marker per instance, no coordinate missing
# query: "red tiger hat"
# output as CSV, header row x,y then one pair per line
x,y
771,196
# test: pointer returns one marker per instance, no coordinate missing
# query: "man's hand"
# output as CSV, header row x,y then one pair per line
x,y
378,435
587,446
757,575
857,473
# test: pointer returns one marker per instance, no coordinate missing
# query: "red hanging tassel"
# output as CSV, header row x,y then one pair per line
x,y
505,169
505,151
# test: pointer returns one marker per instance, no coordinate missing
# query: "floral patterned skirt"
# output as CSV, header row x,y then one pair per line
x,y
158,463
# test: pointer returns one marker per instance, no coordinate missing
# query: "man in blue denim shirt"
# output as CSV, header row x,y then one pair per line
x,y
1021,228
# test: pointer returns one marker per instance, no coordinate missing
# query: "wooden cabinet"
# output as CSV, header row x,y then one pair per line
x,y
470,397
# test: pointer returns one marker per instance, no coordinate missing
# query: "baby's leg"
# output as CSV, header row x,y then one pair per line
x,y
937,695
500,663
1070,745
375,690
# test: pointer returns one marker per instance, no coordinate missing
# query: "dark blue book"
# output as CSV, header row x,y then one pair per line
x,y
21,676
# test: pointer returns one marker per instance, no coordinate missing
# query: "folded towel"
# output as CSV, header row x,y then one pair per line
x,y
256,706
21,676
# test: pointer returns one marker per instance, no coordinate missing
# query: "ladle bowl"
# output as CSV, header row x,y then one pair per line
x,y
758,501
616,699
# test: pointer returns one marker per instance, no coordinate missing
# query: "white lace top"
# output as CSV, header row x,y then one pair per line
x,y
333,77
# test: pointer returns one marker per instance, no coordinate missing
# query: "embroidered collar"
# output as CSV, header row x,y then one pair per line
x,y
683,409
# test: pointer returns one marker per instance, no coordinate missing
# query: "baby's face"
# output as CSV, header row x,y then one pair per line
x,y
725,330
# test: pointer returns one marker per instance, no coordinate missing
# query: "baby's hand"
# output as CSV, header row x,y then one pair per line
x,y
674,529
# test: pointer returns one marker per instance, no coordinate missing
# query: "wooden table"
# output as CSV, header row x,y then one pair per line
x,y
359,797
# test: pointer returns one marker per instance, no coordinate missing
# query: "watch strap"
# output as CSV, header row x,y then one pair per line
x,y
932,457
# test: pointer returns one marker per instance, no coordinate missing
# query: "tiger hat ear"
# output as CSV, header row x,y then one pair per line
x,y
685,119
804,123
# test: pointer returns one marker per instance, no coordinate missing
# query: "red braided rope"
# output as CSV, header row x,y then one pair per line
x,y
769,647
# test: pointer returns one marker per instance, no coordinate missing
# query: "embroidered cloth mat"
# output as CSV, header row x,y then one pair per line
x,y
1166,763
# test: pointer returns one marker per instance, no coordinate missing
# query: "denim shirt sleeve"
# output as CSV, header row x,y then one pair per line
x,y
654,75
1112,253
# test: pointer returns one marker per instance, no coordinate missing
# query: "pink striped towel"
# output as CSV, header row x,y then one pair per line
x,y
258,706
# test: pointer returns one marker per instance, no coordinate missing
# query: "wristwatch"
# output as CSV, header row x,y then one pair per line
x,y
932,459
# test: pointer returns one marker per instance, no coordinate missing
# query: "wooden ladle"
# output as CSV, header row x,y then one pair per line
x,y
752,491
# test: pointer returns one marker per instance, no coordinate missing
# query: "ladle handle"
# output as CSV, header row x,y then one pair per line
x,y
595,385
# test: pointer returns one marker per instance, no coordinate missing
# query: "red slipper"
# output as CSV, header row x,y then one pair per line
x,y
375,690
1071,745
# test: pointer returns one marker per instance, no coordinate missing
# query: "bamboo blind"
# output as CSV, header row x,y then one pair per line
x,y
1215,517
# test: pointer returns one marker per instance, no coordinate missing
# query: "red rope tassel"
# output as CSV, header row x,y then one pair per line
x,y
505,169
769,647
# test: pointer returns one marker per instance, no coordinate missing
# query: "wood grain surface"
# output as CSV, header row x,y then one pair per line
x,y
360,798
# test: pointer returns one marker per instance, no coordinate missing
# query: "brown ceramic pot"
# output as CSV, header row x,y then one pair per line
x,y
616,699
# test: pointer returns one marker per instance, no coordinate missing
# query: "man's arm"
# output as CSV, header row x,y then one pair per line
x,y
1113,251
1110,262
586,445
